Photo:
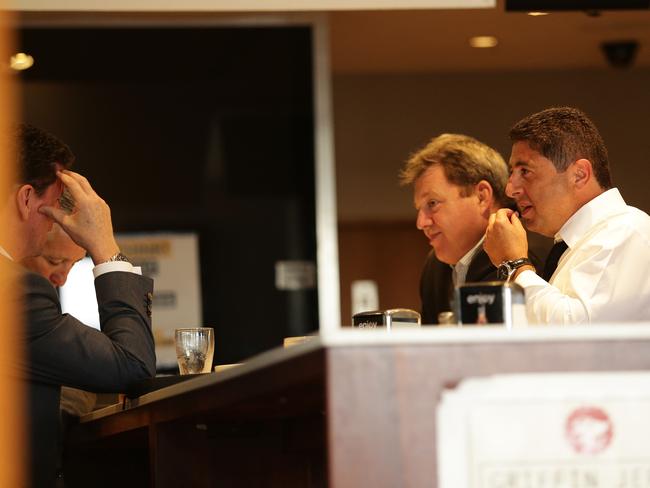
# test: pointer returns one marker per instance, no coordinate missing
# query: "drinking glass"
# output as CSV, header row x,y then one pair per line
x,y
194,349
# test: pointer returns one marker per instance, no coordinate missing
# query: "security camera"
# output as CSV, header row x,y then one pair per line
x,y
620,54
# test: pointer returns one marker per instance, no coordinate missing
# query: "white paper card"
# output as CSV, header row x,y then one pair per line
x,y
586,430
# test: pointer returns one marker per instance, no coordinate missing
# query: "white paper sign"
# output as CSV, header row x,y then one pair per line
x,y
587,430
172,260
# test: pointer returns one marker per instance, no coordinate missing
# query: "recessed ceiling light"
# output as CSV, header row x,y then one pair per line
x,y
537,14
21,61
483,41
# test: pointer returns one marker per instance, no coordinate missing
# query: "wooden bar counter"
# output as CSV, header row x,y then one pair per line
x,y
353,408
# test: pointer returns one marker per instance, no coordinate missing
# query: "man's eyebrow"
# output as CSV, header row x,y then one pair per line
x,y
518,164
426,195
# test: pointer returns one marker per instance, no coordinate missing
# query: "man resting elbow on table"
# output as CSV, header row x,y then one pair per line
x,y
60,350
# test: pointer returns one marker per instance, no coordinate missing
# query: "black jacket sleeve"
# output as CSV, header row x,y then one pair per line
x,y
63,351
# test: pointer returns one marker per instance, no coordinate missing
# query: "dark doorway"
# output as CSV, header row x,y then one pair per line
x,y
207,130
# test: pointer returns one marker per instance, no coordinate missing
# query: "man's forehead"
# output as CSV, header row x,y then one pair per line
x,y
63,249
521,155
424,191
523,149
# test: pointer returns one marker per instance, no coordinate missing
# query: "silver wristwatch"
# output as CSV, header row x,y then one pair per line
x,y
507,268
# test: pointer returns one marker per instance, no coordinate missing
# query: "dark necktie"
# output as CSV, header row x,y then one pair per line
x,y
553,257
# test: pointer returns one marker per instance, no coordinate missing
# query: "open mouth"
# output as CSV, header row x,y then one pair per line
x,y
432,236
525,210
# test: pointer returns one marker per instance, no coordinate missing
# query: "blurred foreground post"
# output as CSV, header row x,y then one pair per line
x,y
12,435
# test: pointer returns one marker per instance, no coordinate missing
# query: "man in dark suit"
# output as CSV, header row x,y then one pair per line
x,y
458,182
60,350
436,283
60,254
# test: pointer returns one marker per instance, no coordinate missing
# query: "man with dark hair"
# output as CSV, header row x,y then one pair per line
x,y
458,182
36,151
560,180
60,350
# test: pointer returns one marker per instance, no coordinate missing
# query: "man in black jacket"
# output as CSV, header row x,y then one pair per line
x,y
458,182
60,350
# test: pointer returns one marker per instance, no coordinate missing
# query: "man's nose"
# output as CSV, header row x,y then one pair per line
x,y
423,220
512,189
58,278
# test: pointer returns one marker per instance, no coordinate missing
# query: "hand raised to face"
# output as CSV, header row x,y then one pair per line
x,y
89,224
505,237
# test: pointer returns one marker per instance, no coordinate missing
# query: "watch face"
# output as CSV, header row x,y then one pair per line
x,y
507,268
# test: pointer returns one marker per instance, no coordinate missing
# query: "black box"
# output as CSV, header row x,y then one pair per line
x,y
491,302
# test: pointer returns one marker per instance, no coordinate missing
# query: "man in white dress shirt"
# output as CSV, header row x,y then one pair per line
x,y
560,180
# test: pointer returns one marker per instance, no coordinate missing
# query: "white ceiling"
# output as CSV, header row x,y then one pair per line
x,y
437,40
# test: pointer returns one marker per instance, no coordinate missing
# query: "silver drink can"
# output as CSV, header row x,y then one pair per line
x,y
394,318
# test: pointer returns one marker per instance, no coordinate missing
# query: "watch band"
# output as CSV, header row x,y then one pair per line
x,y
507,268
118,257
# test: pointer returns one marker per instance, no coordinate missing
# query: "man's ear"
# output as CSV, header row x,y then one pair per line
x,y
484,193
581,173
25,201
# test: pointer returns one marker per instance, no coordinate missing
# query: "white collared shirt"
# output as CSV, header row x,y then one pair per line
x,y
459,270
110,266
603,275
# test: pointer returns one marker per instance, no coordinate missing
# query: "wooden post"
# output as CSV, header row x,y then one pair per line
x,y
12,403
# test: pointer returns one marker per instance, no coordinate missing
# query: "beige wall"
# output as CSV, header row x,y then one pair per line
x,y
380,119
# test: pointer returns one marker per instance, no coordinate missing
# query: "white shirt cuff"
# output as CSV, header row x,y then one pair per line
x,y
110,266
529,278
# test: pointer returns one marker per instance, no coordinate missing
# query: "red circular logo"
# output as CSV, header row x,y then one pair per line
x,y
589,430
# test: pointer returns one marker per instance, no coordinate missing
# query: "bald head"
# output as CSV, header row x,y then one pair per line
x,y
60,253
